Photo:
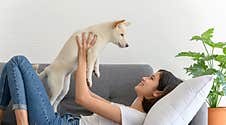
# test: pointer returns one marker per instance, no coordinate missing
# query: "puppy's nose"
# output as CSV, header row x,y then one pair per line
x,y
127,45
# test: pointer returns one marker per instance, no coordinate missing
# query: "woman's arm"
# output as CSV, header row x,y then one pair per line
x,y
98,97
81,89
82,94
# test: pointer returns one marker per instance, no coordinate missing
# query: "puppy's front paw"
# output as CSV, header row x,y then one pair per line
x,y
97,73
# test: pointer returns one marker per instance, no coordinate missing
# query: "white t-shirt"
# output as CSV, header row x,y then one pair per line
x,y
129,115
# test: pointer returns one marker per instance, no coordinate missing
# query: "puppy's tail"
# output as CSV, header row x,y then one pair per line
x,y
35,67
42,75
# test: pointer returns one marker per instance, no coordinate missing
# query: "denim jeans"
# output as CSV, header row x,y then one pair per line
x,y
20,84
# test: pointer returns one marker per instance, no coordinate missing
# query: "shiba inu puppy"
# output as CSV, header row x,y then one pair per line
x,y
59,72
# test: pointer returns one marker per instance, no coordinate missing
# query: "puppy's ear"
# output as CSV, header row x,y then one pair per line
x,y
117,23
127,23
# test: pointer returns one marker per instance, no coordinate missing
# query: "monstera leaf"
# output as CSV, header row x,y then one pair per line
x,y
194,55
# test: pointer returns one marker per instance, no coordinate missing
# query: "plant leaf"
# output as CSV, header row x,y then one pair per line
x,y
219,44
198,69
194,55
224,50
209,42
221,58
208,34
220,77
209,57
224,89
210,71
196,38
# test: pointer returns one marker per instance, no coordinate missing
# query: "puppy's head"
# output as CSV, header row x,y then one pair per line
x,y
119,32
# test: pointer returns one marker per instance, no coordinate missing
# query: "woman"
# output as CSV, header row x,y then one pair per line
x,y
20,84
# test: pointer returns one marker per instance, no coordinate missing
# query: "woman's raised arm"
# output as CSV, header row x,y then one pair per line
x,y
82,94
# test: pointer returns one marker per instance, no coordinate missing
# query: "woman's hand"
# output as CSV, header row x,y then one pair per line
x,y
87,42
81,88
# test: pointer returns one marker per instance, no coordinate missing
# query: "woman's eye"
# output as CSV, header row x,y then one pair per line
x,y
151,77
122,35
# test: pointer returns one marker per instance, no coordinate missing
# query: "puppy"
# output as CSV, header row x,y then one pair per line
x,y
35,67
59,72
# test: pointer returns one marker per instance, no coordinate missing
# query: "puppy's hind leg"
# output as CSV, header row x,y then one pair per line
x,y
97,68
55,85
64,91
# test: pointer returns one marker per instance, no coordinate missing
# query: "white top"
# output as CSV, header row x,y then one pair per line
x,y
129,115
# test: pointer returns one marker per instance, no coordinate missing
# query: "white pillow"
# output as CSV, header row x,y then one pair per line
x,y
181,105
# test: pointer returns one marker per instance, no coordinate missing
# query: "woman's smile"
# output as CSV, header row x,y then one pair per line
x,y
141,83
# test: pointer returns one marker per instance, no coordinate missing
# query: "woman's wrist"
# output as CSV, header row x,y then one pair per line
x,y
82,63
82,55
82,60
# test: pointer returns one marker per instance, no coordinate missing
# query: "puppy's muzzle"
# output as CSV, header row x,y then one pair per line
x,y
123,46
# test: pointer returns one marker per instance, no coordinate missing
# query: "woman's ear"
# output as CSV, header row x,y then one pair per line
x,y
157,93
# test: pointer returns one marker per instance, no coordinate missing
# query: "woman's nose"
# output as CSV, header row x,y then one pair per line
x,y
143,78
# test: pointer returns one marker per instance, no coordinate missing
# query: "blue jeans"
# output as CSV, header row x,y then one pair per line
x,y
20,83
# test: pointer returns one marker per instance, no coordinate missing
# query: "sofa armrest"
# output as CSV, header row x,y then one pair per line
x,y
201,118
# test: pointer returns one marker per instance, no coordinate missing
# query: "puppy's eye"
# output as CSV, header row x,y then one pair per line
x,y
122,35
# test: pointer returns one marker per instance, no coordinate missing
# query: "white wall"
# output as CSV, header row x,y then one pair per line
x,y
160,28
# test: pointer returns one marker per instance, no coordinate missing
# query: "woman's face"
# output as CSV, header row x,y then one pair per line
x,y
148,85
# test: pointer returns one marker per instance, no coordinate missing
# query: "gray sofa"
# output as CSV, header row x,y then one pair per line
x,y
116,84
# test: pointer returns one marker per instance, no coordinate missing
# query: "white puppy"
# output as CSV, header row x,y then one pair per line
x,y
59,71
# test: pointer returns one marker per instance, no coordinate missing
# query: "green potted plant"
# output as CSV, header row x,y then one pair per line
x,y
210,62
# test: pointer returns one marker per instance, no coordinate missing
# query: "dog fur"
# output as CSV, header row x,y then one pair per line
x,y
59,72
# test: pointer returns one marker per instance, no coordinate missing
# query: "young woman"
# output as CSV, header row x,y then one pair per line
x,y
31,105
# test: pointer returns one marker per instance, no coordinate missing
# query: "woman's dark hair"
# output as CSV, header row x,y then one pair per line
x,y
167,83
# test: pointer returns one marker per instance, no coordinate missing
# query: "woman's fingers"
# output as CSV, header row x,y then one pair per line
x,y
83,38
78,41
87,42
